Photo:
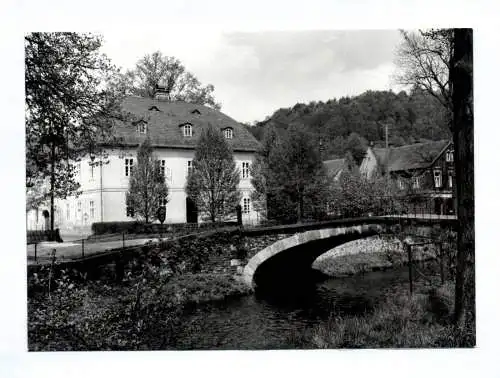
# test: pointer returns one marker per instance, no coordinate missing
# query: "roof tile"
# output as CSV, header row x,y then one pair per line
x,y
164,118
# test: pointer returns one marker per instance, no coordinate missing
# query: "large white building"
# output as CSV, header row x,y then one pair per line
x,y
174,129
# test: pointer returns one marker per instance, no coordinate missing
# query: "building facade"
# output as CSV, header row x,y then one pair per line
x,y
423,170
173,129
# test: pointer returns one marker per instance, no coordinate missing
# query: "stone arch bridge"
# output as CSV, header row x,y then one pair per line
x,y
288,259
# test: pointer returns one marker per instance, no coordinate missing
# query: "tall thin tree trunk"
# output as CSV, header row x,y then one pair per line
x,y
52,183
461,79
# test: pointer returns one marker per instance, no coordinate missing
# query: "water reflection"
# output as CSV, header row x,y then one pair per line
x,y
267,320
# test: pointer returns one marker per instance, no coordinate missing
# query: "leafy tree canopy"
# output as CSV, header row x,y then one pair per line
x,y
410,118
67,106
147,187
157,70
288,175
213,182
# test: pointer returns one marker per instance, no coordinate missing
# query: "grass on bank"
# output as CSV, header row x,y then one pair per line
x,y
423,320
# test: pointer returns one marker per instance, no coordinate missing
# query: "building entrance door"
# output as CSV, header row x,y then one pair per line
x,y
191,211
438,206
46,216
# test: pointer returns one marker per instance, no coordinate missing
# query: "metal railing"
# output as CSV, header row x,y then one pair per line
x,y
402,208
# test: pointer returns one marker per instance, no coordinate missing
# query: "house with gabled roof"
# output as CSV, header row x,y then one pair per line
x,y
425,169
335,167
174,129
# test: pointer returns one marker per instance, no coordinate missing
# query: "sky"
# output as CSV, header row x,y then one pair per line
x,y
256,73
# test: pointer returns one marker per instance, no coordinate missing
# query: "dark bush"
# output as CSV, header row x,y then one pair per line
x,y
136,227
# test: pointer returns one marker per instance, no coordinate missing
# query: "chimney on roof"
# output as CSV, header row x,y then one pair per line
x,y
161,93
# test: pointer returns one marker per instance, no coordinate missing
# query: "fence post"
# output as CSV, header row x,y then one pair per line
x,y
441,263
83,248
410,273
35,251
123,239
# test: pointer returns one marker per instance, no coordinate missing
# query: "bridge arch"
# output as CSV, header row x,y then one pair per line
x,y
290,257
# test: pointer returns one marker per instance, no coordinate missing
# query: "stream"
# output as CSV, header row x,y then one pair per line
x,y
269,320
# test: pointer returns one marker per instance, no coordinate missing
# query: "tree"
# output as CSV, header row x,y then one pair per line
x,y
461,79
157,70
354,195
424,61
147,187
213,181
289,175
440,62
68,107
356,145
261,173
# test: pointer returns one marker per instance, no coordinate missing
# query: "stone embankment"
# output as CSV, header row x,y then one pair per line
x,y
374,253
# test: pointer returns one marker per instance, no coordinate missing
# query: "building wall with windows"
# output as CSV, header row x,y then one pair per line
x,y
88,207
422,169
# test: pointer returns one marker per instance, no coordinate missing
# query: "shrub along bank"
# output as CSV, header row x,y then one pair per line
x,y
67,311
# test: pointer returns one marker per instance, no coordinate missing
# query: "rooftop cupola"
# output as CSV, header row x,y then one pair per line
x,y
161,93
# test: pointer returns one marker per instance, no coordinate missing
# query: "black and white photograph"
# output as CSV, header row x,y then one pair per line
x,y
212,190
160,217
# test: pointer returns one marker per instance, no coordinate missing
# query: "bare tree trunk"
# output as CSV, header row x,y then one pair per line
x,y
52,183
461,79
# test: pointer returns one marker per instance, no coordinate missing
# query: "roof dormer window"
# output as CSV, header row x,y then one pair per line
x,y
196,111
187,130
154,109
142,127
228,133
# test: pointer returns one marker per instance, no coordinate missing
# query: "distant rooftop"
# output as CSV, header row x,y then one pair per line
x,y
413,156
334,166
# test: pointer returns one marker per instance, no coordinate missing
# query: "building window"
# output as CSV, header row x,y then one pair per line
x,y
67,212
91,171
163,202
188,130
129,164
415,182
450,180
168,174
142,128
228,133
162,167
245,169
449,156
246,205
130,211
190,167
438,180
401,183
92,209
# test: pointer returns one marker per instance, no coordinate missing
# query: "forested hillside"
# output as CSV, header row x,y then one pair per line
x,y
343,124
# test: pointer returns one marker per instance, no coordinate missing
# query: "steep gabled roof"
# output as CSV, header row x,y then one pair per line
x,y
333,167
409,157
164,119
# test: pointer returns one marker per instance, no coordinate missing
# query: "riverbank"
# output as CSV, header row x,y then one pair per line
x,y
129,316
423,320
186,296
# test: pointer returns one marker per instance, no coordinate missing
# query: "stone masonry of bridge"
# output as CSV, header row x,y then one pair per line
x,y
293,255
265,250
